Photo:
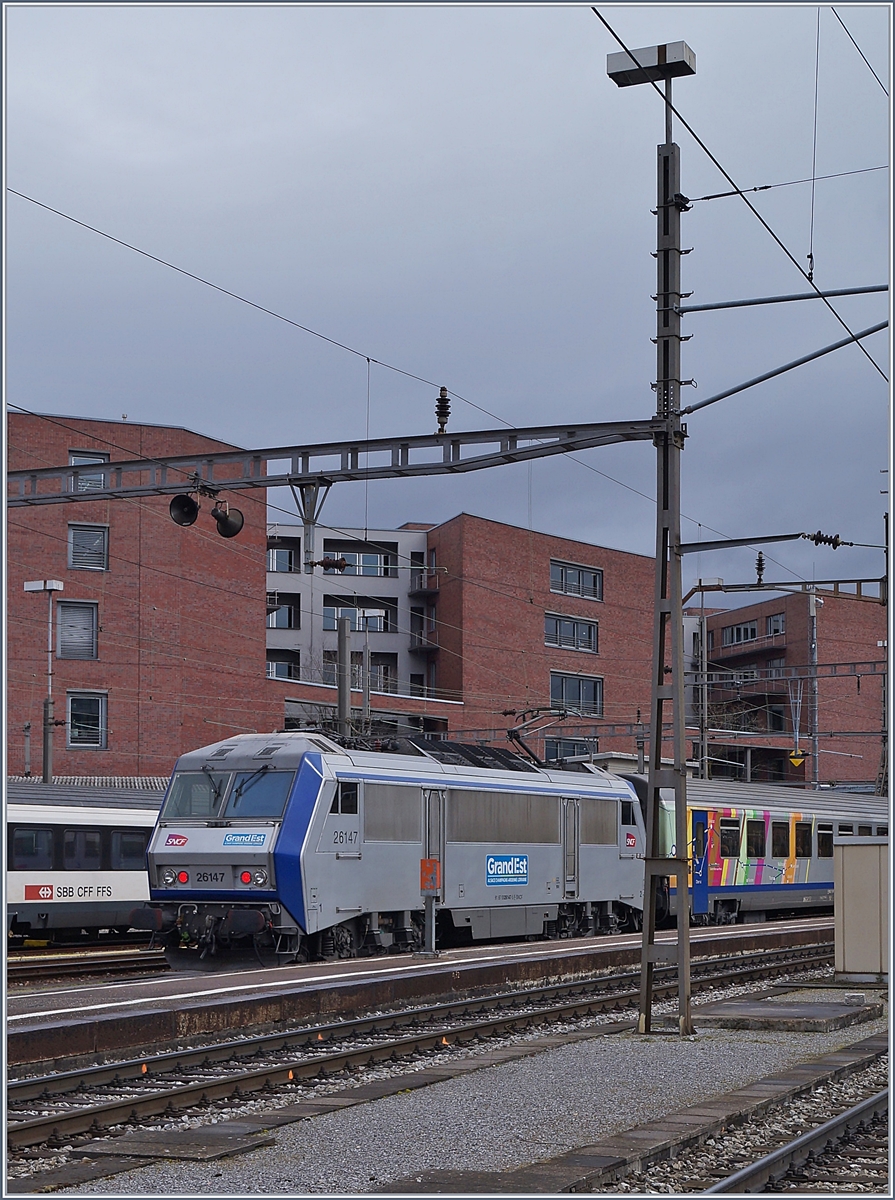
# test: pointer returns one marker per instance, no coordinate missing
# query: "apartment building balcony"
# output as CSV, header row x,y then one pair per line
x,y
424,584
773,641
424,642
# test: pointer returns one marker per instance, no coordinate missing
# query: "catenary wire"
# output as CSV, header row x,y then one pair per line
x,y
766,187
689,128
859,50
814,149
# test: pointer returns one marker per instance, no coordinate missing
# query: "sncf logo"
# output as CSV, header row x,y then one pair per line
x,y
176,839
630,839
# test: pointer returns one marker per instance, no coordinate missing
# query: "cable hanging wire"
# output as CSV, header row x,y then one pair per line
x,y
859,50
814,150
766,187
692,132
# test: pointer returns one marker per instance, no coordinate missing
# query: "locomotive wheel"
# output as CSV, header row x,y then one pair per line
x,y
344,942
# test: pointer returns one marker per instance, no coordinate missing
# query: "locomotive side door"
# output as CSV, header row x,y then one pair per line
x,y
570,842
699,842
433,800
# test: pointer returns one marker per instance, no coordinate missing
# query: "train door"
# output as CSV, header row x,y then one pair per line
x,y
435,816
700,849
570,839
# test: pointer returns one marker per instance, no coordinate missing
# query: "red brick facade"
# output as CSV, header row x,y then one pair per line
x,y
181,611
494,595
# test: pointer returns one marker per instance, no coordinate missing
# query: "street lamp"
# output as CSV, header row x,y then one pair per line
x,y
49,586
650,64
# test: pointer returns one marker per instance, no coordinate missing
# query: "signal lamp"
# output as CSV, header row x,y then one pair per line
x,y
183,877
169,876
245,877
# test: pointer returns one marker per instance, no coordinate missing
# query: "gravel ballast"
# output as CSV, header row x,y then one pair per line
x,y
495,1119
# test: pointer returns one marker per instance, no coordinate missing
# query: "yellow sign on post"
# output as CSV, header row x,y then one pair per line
x,y
796,759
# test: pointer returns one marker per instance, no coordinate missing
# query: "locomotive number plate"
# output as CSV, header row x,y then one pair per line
x,y
210,877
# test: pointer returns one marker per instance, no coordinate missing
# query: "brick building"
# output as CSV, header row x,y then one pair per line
x,y
159,631
761,684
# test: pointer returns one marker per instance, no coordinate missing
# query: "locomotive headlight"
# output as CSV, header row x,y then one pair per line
x,y
245,877
169,876
260,878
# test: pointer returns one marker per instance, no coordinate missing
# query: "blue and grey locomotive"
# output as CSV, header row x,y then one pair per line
x,y
304,849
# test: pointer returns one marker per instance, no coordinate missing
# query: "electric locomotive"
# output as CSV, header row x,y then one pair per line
x,y
300,848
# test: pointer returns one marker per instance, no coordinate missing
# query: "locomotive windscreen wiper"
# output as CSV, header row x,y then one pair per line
x,y
246,783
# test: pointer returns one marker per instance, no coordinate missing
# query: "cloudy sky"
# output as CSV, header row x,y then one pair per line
x,y
461,192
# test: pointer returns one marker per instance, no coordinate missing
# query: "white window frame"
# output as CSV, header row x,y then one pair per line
x,y
731,635
775,624
272,552
82,566
94,481
597,710
103,739
63,606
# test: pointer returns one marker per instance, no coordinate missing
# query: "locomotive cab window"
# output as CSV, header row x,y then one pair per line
x,y
628,812
825,841
803,839
345,799
196,794
730,838
31,850
755,839
259,793
780,839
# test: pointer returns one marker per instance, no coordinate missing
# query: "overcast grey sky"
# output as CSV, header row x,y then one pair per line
x,y
463,193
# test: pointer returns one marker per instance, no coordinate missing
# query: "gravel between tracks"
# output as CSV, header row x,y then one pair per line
x,y
498,1118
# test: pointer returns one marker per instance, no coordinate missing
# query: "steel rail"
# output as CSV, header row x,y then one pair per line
x,y
580,999
42,967
754,1177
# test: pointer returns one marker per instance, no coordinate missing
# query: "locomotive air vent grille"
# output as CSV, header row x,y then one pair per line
x,y
222,752
267,751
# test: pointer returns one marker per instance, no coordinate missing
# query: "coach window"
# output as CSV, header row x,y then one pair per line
x,y
882,831
803,839
755,839
129,849
699,839
825,841
780,839
846,830
865,831
345,799
32,850
81,850
730,838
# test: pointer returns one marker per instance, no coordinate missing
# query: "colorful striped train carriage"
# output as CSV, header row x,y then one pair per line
x,y
764,850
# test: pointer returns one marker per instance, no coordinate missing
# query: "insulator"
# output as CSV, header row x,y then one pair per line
x,y
442,410
759,568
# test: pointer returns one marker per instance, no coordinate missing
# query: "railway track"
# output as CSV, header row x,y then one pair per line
x,y
851,1149
53,1108
46,965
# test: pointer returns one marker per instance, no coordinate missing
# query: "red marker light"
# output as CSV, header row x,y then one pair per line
x,y
183,876
246,877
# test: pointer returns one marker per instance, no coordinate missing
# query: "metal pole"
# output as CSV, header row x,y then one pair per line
x,y
813,696
49,713
343,675
668,635
703,694
365,708
27,729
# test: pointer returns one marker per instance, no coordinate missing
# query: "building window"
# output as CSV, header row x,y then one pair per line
x,y
371,620
732,635
775,624
382,565
555,748
775,667
87,720
417,685
576,581
87,481
77,630
283,611
281,560
88,547
570,634
283,664
776,718
583,693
